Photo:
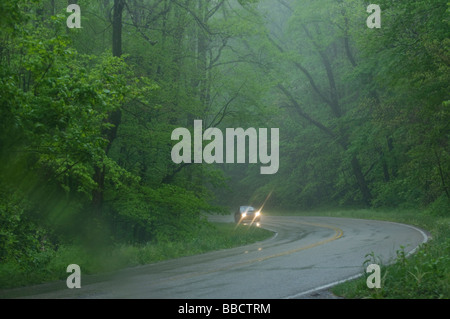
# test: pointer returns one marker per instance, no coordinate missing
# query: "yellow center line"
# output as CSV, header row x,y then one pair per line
x,y
338,234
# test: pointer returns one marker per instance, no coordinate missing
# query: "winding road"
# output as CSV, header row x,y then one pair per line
x,y
305,255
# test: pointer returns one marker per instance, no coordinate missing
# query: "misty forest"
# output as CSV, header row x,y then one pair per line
x,y
87,114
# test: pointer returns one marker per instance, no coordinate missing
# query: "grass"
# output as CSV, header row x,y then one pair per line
x,y
423,275
51,265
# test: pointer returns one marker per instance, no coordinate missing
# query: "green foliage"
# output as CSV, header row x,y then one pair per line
x,y
363,112
166,214
12,13
20,237
56,104
440,207
411,76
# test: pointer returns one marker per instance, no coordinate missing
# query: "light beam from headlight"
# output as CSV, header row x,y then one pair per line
x,y
264,203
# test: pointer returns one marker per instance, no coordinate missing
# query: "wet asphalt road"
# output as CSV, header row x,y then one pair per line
x,y
305,255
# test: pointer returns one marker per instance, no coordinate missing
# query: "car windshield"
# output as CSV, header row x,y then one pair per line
x,y
247,209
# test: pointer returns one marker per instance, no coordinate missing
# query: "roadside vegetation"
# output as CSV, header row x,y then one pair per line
x,y
50,265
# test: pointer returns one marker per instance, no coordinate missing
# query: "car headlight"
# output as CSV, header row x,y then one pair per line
x,y
258,214
244,215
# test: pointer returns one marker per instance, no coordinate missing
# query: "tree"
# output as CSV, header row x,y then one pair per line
x,y
114,118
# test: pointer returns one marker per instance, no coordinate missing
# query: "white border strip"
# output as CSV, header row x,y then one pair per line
x,y
323,287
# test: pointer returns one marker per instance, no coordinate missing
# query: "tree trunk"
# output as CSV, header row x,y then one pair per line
x,y
362,184
117,27
114,117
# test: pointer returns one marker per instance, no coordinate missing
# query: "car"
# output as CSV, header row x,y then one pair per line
x,y
247,214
